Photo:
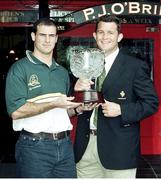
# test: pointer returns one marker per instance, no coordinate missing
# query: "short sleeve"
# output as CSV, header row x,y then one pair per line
x,y
16,90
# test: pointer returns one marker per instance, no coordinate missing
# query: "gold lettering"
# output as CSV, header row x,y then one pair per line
x,y
2,19
8,19
124,20
19,14
61,28
11,13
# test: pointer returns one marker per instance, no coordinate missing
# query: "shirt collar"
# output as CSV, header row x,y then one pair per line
x,y
112,56
34,60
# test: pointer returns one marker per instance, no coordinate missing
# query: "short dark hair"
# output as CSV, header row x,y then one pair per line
x,y
110,18
43,21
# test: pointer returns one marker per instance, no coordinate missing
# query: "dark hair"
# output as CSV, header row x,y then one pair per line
x,y
111,18
43,21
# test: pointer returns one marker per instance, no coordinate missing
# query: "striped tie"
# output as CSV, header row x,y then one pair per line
x,y
99,83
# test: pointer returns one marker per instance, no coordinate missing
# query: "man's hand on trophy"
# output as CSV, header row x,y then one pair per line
x,y
86,107
65,102
83,84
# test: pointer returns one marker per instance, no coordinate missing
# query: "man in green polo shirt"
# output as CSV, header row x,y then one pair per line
x,y
36,98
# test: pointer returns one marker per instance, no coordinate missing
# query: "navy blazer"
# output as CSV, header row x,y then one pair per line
x,y
128,83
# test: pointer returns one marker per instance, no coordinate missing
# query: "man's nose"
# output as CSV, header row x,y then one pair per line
x,y
105,35
47,38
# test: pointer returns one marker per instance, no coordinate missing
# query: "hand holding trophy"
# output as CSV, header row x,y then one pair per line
x,y
87,64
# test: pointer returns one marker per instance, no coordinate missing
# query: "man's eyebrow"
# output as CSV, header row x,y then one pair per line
x,y
48,34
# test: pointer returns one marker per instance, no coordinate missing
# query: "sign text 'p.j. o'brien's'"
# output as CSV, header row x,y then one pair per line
x,y
124,8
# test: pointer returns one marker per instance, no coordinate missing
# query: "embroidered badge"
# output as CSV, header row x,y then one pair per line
x,y
122,94
33,82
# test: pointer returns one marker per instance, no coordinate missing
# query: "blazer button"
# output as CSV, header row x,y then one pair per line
x,y
87,119
87,135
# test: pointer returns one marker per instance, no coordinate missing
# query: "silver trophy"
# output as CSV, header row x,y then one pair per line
x,y
87,64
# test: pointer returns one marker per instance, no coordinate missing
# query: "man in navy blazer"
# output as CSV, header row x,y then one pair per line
x,y
112,149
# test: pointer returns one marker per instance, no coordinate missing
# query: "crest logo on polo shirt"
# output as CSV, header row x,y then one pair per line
x,y
33,81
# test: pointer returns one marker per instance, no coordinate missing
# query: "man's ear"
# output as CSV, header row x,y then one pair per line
x,y
94,35
120,37
33,36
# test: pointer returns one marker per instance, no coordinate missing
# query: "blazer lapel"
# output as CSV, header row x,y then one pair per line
x,y
115,72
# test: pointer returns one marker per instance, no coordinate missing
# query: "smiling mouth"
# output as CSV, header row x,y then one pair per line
x,y
105,42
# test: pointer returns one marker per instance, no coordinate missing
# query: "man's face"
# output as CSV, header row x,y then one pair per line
x,y
45,39
107,37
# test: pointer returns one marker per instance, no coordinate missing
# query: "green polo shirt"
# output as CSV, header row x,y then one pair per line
x,y
29,78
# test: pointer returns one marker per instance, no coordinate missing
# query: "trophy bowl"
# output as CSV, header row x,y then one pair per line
x,y
87,64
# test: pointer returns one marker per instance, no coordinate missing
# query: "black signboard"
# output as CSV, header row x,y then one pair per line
x,y
130,9
18,16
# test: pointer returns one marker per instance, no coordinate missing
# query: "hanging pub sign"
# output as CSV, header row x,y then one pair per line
x,y
18,16
129,9
130,12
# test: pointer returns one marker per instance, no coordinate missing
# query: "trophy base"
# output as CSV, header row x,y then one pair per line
x,y
90,96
